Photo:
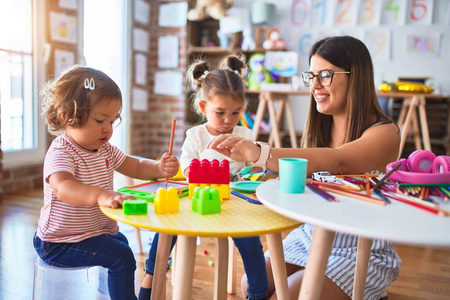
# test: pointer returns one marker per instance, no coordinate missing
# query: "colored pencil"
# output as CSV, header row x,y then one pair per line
x,y
248,199
321,192
423,184
357,175
172,136
429,209
336,185
382,196
387,175
347,183
355,195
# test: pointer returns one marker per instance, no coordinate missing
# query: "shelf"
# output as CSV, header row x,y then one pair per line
x,y
211,50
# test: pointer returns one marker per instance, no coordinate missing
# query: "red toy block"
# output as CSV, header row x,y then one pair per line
x,y
209,172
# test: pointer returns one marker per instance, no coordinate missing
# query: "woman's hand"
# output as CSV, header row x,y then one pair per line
x,y
168,166
235,147
112,199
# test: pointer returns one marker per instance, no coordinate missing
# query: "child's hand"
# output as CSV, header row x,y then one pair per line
x,y
112,199
168,166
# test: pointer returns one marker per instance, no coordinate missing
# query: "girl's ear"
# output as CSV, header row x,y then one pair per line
x,y
202,105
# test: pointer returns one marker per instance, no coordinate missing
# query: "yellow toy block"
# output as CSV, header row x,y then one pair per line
x,y
224,189
166,201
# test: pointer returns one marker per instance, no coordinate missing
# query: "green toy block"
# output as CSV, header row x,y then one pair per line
x,y
206,201
134,207
149,197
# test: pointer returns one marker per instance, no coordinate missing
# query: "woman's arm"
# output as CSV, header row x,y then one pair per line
x,y
378,146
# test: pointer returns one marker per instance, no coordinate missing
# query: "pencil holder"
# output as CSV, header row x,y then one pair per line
x,y
51,283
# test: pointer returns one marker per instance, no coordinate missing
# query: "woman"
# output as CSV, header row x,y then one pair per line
x,y
346,132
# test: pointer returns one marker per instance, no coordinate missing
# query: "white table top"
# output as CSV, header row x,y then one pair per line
x,y
397,221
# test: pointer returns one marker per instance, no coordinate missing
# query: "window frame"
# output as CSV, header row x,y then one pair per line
x,y
36,155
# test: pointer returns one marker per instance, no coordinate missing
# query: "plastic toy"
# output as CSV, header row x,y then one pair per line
x,y
206,201
147,191
210,173
323,176
166,201
134,207
405,86
258,73
208,8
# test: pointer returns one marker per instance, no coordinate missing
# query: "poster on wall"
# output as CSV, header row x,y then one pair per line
x,y
140,40
140,68
141,12
370,12
169,83
68,4
378,41
63,28
394,12
423,45
168,51
139,97
173,14
420,12
63,59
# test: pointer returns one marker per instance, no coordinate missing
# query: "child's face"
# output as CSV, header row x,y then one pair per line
x,y
222,113
98,128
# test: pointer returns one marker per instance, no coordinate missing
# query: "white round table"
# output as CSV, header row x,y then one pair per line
x,y
396,222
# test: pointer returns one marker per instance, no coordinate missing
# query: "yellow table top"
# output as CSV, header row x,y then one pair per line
x,y
237,219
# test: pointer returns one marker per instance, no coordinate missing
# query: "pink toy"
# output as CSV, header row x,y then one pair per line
x,y
209,172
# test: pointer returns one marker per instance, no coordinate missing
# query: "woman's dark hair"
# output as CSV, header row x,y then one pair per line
x,y
363,109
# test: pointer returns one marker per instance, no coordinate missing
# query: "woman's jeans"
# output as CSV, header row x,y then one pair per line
x,y
109,251
252,254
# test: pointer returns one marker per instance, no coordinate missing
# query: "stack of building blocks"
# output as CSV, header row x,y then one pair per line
x,y
206,201
210,173
166,201
134,207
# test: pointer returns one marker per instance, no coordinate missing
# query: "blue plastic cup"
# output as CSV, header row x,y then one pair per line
x,y
292,175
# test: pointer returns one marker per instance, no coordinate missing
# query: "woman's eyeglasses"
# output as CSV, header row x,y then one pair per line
x,y
325,77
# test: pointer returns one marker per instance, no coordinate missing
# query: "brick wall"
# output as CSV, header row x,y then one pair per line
x,y
150,130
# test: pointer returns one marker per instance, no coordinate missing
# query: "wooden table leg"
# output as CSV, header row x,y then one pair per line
x,y
291,124
221,269
273,123
362,261
259,115
162,255
312,283
232,262
416,131
424,124
405,126
185,267
275,245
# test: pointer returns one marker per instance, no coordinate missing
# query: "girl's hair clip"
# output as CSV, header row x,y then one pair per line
x,y
236,72
205,74
89,84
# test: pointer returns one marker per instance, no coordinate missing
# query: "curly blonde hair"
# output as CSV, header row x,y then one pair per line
x,y
228,80
67,102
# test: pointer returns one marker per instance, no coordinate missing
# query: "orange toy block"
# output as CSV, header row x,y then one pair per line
x,y
166,201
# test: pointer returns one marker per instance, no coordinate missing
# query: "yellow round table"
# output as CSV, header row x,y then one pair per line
x,y
238,218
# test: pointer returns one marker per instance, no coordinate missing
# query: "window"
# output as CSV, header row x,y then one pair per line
x,y
22,128
105,48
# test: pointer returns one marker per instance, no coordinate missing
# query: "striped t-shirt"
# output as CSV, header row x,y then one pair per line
x,y
60,222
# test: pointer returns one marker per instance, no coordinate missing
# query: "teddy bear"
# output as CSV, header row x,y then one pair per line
x,y
274,42
203,9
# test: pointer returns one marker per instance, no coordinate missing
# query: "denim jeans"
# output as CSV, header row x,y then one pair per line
x,y
109,251
252,254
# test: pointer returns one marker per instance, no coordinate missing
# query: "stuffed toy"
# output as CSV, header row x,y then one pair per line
x,y
203,9
274,42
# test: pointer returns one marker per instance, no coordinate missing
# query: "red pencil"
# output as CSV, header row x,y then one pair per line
x,y
172,135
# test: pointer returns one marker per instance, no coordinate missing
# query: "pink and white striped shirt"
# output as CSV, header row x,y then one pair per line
x,y
60,222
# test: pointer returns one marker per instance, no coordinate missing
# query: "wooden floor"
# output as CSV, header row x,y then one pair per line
x,y
424,274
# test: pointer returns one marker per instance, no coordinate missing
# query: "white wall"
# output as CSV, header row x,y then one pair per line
x,y
399,64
